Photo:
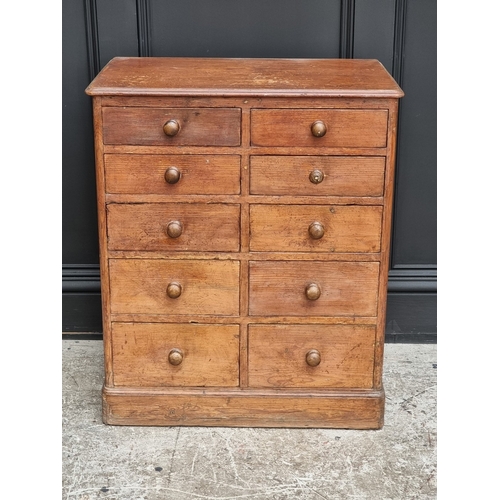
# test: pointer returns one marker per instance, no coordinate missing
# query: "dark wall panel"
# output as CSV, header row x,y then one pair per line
x,y
83,312
411,316
117,25
245,28
79,212
374,31
415,216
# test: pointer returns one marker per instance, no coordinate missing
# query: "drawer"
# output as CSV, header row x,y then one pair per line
x,y
173,227
334,356
349,128
143,286
317,175
162,355
172,174
315,228
196,126
311,288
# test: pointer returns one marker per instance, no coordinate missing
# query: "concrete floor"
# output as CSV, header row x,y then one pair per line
x,y
154,463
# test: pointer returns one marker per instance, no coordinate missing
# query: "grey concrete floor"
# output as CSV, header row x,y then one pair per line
x,y
157,463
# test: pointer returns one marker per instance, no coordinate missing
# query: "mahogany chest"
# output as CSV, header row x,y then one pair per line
x,y
244,223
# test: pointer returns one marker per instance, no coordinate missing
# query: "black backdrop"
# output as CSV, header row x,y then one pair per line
x,y
399,33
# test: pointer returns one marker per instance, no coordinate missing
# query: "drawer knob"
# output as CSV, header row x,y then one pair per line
x,y
174,229
313,291
316,176
313,357
316,230
318,128
171,128
174,290
172,175
175,356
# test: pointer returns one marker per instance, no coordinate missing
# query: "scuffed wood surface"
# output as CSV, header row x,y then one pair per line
x,y
143,226
345,128
347,288
140,355
208,287
276,356
343,175
284,228
223,76
199,174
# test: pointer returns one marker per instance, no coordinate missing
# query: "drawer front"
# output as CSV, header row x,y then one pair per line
x,y
315,228
172,174
317,175
197,126
356,128
334,356
291,288
163,355
203,287
174,227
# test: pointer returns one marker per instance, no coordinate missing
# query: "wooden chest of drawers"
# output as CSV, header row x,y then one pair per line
x,y
244,222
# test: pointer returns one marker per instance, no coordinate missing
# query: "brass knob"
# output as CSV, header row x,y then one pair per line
x,y
175,356
318,128
171,128
316,176
316,230
174,229
313,357
313,291
172,175
174,290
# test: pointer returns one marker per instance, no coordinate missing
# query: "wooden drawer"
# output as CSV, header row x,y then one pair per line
x,y
139,286
293,228
145,355
346,288
278,356
198,126
317,175
154,226
356,128
196,174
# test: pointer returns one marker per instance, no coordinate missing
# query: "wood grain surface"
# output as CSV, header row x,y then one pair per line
x,y
343,175
199,174
347,288
277,355
208,287
249,408
284,228
143,226
345,127
190,76
210,355
198,127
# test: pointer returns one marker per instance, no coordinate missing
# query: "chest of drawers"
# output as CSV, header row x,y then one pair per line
x,y
244,223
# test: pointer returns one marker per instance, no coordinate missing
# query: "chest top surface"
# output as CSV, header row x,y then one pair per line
x,y
244,77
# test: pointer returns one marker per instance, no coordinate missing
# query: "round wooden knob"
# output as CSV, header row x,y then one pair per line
x,y
175,357
316,230
316,176
174,229
313,291
313,357
172,175
318,128
171,128
174,290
